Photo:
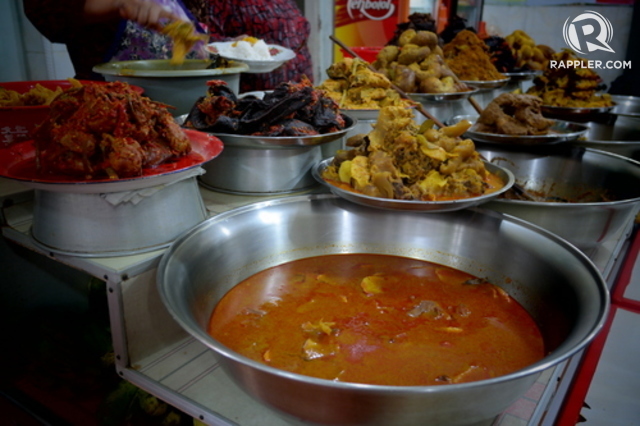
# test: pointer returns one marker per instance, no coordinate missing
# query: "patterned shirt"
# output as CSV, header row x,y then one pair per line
x,y
62,21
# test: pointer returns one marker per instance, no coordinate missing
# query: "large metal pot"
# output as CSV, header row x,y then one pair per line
x,y
570,173
94,224
553,280
267,165
620,135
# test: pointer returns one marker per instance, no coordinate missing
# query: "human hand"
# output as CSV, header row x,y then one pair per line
x,y
145,12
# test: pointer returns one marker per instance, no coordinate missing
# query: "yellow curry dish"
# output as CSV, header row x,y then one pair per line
x,y
400,160
569,82
353,85
36,96
185,37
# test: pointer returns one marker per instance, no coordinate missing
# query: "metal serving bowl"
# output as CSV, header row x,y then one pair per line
x,y
620,135
176,85
554,281
268,165
570,173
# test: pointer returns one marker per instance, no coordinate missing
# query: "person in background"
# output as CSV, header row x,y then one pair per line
x,y
98,31
277,22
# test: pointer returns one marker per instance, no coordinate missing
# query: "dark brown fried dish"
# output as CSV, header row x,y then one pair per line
x,y
291,109
513,114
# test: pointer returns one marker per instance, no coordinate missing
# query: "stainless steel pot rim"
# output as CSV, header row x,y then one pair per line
x,y
535,368
577,111
522,75
98,254
150,68
208,186
564,131
621,101
487,84
414,205
580,205
438,97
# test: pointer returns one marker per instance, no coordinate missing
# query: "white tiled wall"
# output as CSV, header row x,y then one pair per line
x,y
32,56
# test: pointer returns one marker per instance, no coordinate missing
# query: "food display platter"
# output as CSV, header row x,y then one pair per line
x,y
522,75
489,84
416,206
18,162
436,97
560,131
279,55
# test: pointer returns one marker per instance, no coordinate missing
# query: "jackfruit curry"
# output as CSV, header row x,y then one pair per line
x,y
377,319
399,160
352,85
185,37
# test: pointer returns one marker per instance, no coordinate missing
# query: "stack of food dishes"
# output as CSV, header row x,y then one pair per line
x,y
416,64
112,173
271,142
360,92
569,91
400,165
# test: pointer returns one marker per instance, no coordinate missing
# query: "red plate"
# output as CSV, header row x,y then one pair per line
x,y
18,162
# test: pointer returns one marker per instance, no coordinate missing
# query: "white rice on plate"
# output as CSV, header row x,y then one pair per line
x,y
259,51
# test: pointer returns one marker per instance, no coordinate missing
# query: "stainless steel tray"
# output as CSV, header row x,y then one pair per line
x,y
561,131
413,205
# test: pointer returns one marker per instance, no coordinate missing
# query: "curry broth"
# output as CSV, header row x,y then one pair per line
x,y
377,319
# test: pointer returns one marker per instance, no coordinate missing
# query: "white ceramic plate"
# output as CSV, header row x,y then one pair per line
x,y
279,55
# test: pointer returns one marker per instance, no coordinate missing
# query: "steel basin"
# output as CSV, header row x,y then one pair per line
x,y
94,224
268,165
620,134
176,85
552,279
570,172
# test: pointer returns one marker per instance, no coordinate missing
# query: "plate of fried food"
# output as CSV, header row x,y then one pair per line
x,y
402,166
106,138
517,119
571,92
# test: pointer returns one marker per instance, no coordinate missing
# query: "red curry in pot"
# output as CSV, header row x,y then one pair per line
x,y
377,319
